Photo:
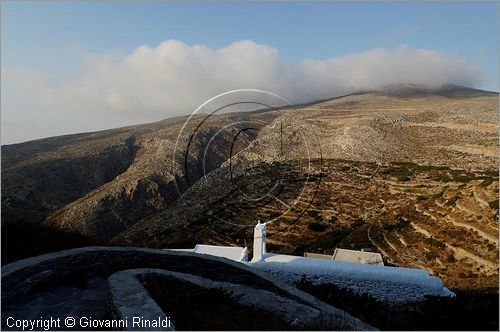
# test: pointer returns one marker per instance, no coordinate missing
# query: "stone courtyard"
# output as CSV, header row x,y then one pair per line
x,y
104,284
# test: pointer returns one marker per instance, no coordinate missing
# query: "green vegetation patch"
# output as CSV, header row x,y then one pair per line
x,y
431,255
331,240
332,218
443,177
314,214
403,173
491,173
422,197
452,201
493,204
486,182
405,170
358,222
316,227
434,243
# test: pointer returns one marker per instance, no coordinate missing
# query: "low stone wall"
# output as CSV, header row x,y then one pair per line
x,y
38,275
384,291
262,309
22,276
128,298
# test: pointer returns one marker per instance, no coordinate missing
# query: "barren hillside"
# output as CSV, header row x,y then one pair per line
x,y
409,172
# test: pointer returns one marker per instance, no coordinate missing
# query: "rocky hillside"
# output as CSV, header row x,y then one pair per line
x,y
410,172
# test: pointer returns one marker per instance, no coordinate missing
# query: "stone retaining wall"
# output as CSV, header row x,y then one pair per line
x,y
129,298
388,284
38,275
384,291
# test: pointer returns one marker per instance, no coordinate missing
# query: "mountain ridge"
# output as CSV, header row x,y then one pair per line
x,y
394,89
123,186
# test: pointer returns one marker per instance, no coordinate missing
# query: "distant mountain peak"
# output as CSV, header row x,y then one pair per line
x,y
446,90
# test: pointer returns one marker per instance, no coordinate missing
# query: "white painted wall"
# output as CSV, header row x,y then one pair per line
x,y
259,242
391,284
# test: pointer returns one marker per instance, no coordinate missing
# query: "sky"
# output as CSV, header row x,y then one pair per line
x,y
71,66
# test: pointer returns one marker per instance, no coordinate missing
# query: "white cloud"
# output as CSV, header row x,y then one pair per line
x,y
174,78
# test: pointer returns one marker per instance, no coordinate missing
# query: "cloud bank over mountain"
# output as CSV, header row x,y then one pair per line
x,y
174,78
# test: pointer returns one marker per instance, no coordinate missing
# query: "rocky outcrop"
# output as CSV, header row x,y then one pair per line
x,y
369,158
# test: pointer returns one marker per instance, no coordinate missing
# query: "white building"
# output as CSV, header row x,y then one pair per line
x,y
238,254
392,284
360,271
353,256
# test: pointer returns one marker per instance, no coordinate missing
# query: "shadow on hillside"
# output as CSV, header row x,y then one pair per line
x,y
22,240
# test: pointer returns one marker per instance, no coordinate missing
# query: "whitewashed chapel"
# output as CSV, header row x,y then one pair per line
x,y
360,271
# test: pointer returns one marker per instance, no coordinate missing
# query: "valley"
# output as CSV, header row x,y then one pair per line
x,y
411,173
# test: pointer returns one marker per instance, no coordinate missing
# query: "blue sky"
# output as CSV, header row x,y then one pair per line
x,y
54,39
56,35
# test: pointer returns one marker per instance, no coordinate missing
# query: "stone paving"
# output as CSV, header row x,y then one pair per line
x,y
60,302
76,283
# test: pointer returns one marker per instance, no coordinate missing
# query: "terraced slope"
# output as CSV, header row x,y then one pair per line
x,y
409,172
436,218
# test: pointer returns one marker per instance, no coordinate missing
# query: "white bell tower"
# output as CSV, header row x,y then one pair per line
x,y
259,242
